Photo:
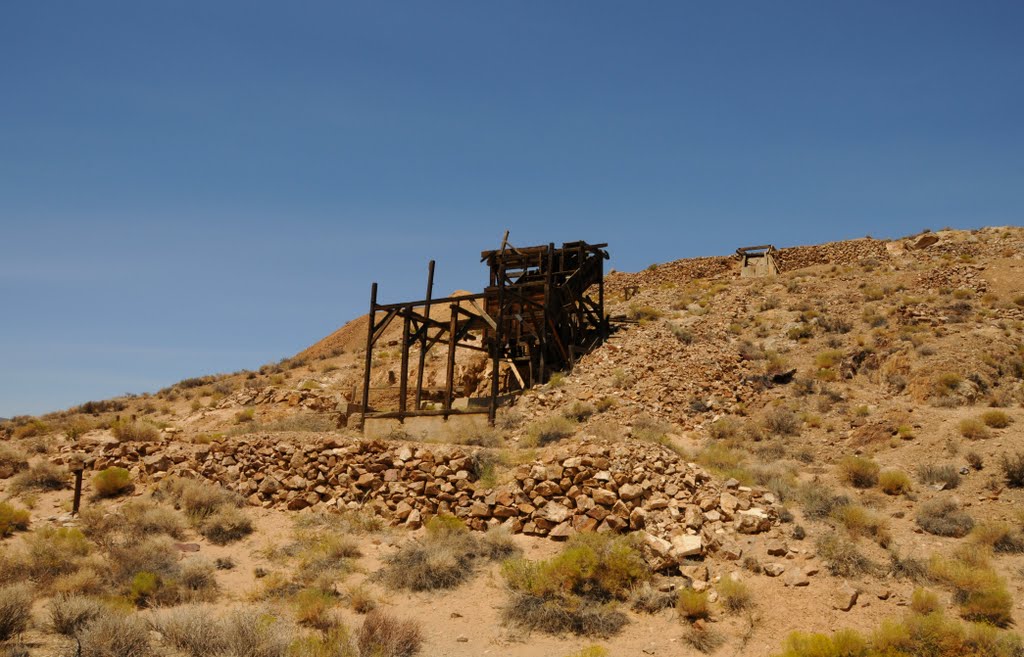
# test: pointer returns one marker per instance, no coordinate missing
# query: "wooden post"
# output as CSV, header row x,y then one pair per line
x,y
423,340
403,380
492,410
76,463
449,378
371,320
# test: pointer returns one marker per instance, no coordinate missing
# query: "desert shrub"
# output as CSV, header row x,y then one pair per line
x,y
948,475
31,429
681,333
313,608
859,471
923,601
383,635
907,567
801,331
781,421
978,591
702,638
1000,536
54,551
894,482
841,556
579,411
974,460
12,519
995,419
15,610
42,475
692,604
549,430
861,521
734,594
192,629
943,517
973,429
135,430
576,590
1013,469
12,460
112,482
444,558
70,613
252,632
114,634
245,415
650,428
226,525
484,436
156,555
360,599
198,498
820,501
723,428
642,313
649,600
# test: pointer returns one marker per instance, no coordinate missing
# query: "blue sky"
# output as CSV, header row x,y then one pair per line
x,y
197,187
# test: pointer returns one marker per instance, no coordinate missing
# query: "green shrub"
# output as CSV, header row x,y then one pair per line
x,y
735,595
112,482
978,591
943,517
245,415
12,519
999,536
54,551
861,521
859,471
894,482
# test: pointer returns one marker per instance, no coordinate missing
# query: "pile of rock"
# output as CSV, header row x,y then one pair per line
x,y
953,277
834,253
588,486
671,272
313,399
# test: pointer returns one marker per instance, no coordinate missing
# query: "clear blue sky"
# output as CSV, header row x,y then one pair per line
x,y
195,187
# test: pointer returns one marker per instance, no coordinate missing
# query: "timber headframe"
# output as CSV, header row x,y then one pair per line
x,y
535,317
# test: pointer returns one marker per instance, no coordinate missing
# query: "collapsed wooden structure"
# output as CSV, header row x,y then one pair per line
x,y
756,261
536,316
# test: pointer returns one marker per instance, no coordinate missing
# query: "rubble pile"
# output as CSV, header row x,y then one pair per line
x,y
834,253
585,486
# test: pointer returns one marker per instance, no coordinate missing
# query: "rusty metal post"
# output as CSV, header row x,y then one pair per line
x,y
423,339
371,320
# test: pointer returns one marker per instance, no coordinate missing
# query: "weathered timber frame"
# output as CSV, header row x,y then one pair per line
x,y
535,317
759,259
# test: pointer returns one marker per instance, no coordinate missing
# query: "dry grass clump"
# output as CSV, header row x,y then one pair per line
x,y
995,419
948,475
50,552
702,638
135,431
577,590
192,629
916,635
579,411
112,482
859,471
861,521
383,635
1001,537
1013,469
39,476
649,600
973,429
895,482
70,613
12,460
548,430
734,594
445,557
481,436
781,421
12,519
841,556
943,517
820,501
978,591
226,525
692,604
113,634
15,610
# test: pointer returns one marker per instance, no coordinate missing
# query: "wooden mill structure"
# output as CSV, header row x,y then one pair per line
x,y
543,307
